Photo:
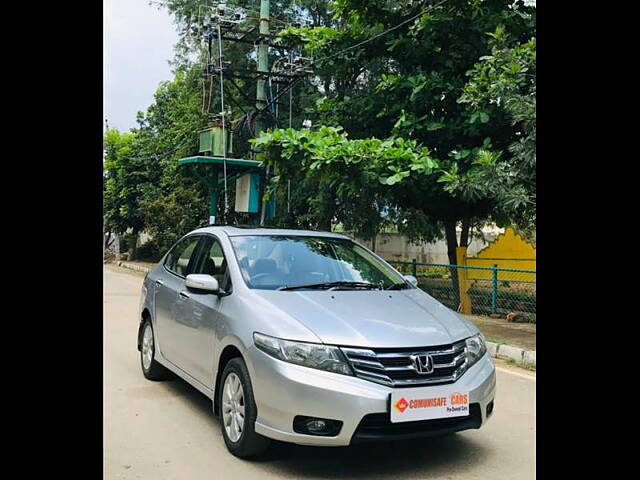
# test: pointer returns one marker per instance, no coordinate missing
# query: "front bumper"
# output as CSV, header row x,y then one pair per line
x,y
283,390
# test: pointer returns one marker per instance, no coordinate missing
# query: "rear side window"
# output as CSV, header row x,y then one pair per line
x,y
180,259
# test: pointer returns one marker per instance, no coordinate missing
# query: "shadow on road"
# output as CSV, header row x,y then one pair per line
x,y
392,460
445,456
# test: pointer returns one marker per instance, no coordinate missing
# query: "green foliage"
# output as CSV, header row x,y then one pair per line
x,y
145,189
367,178
313,38
173,201
123,175
149,251
505,81
345,178
387,162
128,242
412,83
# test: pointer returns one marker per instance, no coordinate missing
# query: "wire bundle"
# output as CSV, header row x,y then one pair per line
x,y
246,127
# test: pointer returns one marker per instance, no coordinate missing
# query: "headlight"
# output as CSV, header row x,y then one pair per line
x,y
312,355
476,348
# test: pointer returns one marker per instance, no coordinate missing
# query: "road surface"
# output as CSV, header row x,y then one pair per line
x,y
167,430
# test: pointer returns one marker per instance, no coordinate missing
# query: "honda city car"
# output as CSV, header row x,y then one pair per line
x,y
309,337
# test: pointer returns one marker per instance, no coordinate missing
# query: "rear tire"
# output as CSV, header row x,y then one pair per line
x,y
234,397
151,369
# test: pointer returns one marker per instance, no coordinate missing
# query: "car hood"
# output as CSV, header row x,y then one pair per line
x,y
372,318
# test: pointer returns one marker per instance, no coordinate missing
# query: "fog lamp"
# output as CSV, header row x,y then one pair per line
x,y
490,409
316,426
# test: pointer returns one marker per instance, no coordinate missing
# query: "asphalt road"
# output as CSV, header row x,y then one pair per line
x,y
167,430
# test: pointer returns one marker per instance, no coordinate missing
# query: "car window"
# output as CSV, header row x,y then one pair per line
x,y
213,262
179,259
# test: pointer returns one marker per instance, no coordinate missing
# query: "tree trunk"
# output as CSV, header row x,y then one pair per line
x,y
452,244
325,225
464,235
452,240
133,248
117,245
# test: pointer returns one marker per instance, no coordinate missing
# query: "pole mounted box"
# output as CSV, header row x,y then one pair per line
x,y
248,193
211,142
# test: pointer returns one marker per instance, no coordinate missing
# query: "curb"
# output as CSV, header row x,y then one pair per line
x,y
520,356
133,266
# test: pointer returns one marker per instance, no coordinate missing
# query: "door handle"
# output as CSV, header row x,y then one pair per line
x,y
184,295
159,283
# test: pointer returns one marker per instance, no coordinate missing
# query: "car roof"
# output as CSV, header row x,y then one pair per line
x,y
234,231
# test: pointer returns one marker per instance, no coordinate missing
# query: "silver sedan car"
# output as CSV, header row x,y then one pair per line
x,y
308,337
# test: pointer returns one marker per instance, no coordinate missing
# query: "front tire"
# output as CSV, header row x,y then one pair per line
x,y
238,411
151,369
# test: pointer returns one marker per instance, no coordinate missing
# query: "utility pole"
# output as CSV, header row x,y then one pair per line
x,y
261,91
263,59
215,155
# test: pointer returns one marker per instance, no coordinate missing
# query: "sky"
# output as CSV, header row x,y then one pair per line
x,y
138,43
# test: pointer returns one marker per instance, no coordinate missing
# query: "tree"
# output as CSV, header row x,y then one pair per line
x,y
356,173
123,176
506,81
401,74
172,200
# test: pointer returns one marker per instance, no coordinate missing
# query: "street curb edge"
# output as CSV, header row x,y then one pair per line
x,y
508,352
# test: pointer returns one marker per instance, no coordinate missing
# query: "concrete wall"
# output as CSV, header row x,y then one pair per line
x,y
395,246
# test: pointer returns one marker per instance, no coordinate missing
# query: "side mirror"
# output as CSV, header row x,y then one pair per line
x,y
411,279
198,281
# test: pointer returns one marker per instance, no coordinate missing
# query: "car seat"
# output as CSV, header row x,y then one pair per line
x,y
209,267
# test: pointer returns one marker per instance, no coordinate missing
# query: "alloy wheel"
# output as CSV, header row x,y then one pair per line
x,y
147,347
233,407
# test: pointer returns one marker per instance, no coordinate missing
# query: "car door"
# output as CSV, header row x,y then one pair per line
x,y
168,301
201,313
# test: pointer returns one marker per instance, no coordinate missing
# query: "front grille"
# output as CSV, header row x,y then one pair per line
x,y
378,426
394,368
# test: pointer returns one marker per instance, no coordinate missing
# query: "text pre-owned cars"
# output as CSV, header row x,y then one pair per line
x,y
308,337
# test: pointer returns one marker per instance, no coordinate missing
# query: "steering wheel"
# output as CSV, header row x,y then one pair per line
x,y
266,279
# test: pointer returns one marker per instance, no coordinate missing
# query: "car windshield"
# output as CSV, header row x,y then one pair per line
x,y
271,262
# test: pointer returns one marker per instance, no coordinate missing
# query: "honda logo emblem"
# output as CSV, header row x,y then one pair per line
x,y
422,363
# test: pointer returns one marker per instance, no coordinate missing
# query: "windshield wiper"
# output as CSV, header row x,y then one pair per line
x,y
330,285
397,286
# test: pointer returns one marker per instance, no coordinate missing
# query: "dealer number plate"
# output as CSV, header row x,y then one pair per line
x,y
427,403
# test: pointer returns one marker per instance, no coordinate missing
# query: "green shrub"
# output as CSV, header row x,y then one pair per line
x,y
126,242
149,252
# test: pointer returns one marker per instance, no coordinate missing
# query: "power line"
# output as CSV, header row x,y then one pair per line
x,y
378,35
158,156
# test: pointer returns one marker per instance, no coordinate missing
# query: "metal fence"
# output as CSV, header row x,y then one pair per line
x,y
479,290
